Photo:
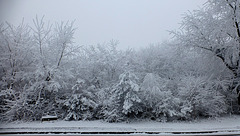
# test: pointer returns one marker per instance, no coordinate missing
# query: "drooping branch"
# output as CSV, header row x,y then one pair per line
x,y
230,4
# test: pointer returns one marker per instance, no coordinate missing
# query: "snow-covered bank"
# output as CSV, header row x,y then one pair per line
x,y
212,124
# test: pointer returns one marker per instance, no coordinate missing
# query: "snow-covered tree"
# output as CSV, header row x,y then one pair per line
x,y
17,59
80,107
124,100
16,54
200,96
158,99
215,29
32,66
157,58
103,62
82,103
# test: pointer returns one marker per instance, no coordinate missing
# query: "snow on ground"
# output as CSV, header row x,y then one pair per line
x,y
212,124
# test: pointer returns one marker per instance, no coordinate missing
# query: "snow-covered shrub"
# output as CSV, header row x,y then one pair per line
x,y
7,100
102,98
167,107
36,98
19,107
200,97
21,112
124,101
82,103
80,107
159,102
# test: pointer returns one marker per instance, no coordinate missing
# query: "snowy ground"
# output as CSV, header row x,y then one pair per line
x,y
229,125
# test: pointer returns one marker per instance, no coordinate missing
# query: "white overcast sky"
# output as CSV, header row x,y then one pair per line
x,y
135,23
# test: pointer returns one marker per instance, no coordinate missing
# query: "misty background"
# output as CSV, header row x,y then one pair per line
x,y
135,23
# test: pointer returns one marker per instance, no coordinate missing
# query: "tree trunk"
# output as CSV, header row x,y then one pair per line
x,y
236,85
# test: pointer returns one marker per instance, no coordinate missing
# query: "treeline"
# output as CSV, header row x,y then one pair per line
x,y
42,72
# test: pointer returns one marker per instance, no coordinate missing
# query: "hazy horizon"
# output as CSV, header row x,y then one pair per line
x,y
135,23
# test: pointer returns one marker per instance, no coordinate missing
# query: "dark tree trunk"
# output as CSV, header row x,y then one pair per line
x,y
238,98
236,86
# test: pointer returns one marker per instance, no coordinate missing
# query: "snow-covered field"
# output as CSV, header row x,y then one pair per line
x,y
217,125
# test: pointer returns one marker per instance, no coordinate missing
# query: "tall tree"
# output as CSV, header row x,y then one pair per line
x,y
216,28
16,53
